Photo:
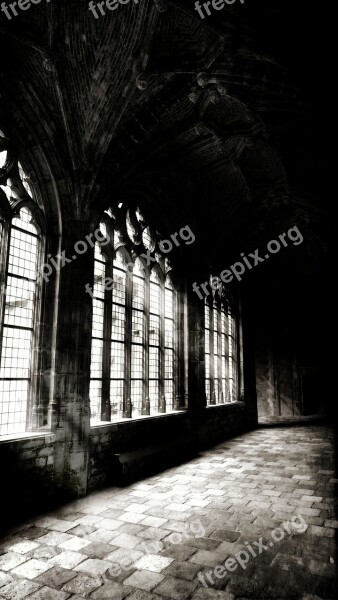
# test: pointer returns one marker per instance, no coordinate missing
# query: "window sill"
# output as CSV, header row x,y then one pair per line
x,y
27,435
236,403
98,424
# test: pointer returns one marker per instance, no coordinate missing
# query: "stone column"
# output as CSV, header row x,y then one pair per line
x,y
72,365
196,357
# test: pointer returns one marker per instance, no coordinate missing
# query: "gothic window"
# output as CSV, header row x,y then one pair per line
x,y
134,341
221,350
20,246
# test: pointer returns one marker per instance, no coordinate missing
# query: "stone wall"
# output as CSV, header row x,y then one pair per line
x,y
28,464
167,439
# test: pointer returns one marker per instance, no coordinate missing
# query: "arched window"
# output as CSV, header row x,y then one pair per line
x,y
221,350
21,253
134,298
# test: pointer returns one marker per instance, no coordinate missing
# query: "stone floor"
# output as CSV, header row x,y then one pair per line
x,y
265,498
289,420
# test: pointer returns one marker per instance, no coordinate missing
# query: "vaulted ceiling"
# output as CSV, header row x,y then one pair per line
x,y
151,101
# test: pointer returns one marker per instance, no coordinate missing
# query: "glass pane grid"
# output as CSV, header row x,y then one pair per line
x,y
136,362
119,287
131,344
118,322
169,394
23,254
207,391
207,316
19,303
153,395
99,276
169,333
16,352
24,221
98,318
221,378
17,335
98,256
117,360
168,303
154,298
116,398
215,354
216,390
138,292
154,359
13,406
169,364
207,366
95,395
154,330
137,332
96,358
207,341
136,396
223,345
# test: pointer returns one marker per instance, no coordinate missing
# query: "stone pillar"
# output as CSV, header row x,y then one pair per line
x,y
196,358
180,391
72,366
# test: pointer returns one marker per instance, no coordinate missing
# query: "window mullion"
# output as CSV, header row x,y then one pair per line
x,y
146,345
127,407
230,353
161,387
178,350
106,353
211,341
35,416
5,243
219,354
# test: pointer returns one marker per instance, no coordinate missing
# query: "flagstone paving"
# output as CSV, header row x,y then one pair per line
x,y
267,496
